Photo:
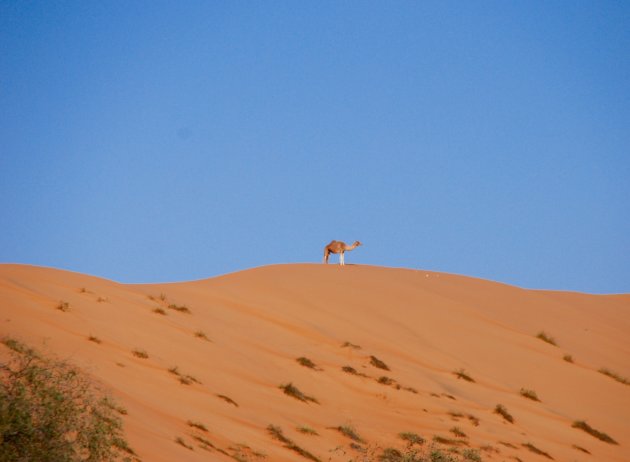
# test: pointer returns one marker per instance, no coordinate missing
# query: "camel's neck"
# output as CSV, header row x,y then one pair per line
x,y
350,247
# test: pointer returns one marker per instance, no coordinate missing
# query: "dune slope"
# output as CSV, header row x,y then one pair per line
x,y
390,350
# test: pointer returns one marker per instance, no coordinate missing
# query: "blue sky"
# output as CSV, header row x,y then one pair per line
x,y
166,141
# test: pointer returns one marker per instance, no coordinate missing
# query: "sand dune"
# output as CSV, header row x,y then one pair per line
x,y
236,339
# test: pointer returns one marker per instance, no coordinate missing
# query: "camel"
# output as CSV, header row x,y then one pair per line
x,y
340,248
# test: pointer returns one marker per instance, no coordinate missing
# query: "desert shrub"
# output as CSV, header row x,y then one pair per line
x,y
582,425
94,339
307,430
535,450
502,411
43,401
568,358
411,438
529,394
462,374
306,362
202,335
140,354
63,306
546,338
179,440
159,311
384,380
350,345
350,432
293,391
180,308
374,361
458,432
614,376
228,400
277,434
197,425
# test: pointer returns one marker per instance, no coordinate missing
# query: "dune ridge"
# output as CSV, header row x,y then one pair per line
x,y
384,351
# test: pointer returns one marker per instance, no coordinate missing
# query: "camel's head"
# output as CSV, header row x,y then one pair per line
x,y
357,243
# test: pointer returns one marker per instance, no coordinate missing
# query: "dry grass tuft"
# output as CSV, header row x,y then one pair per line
x,y
306,362
293,391
200,334
374,361
582,425
228,400
384,380
180,308
159,311
277,434
140,354
615,376
501,410
94,339
197,425
63,306
448,441
350,345
535,450
307,430
179,440
350,432
546,338
529,394
568,358
458,432
411,438
581,449
462,374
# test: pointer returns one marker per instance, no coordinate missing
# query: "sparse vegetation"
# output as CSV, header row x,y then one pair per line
x,y
197,425
473,420
502,411
546,338
529,394
350,345
63,306
350,432
101,299
462,374
384,380
458,432
43,400
506,444
277,434
180,308
581,449
615,376
140,354
293,391
159,311
535,450
582,425
179,440
307,430
306,362
374,361
411,438
432,453
94,339
227,399
447,441
472,455
200,334
568,358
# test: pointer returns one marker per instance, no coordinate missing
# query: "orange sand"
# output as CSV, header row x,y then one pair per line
x,y
423,325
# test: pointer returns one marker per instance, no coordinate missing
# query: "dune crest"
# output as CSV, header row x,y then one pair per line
x,y
334,359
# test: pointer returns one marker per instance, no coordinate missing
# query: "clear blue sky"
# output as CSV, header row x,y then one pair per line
x,y
165,141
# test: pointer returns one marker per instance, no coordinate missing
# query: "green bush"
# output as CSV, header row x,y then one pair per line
x,y
51,412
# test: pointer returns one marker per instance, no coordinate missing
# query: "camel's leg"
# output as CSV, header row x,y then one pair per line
x,y
341,259
326,255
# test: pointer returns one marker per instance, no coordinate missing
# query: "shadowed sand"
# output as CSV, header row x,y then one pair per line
x,y
235,339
